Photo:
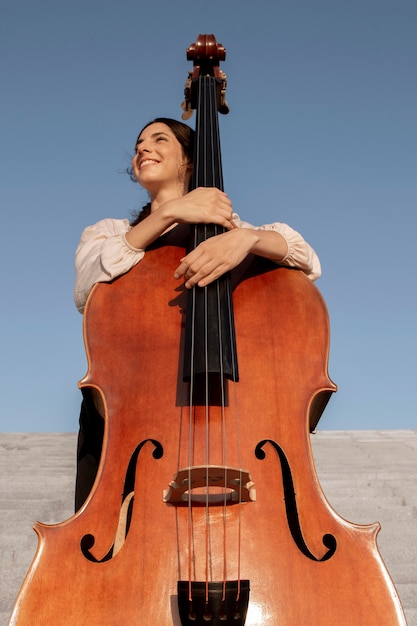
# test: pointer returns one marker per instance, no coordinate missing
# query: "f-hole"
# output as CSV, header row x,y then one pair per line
x,y
87,542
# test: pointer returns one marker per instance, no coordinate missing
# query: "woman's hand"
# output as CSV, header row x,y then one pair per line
x,y
215,256
204,205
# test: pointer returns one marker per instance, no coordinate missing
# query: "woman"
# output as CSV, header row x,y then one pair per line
x,y
162,165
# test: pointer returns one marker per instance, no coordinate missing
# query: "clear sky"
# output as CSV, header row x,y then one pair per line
x,y
322,134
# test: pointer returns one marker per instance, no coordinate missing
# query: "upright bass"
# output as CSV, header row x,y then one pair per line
x,y
207,508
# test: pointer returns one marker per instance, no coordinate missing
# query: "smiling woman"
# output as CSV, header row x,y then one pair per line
x,y
162,165
168,146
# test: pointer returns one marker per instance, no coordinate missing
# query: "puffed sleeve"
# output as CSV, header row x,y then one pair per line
x,y
103,253
300,254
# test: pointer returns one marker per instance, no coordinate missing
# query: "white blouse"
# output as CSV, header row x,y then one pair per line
x,y
103,253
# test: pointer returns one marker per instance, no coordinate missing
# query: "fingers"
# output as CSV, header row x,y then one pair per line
x,y
197,268
216,256
207,262
203,276
191,273
209,205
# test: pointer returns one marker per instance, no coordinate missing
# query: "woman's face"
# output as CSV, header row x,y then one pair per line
x,y
159,160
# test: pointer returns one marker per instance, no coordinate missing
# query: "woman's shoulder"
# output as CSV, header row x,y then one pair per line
x,y
107,226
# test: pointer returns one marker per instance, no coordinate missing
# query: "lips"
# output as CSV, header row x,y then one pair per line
x,y
146,162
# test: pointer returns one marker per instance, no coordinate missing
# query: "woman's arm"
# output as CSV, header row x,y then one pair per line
x,y
277,242
102,254
205,205
112,247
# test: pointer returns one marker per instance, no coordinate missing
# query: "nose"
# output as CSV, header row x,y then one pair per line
x,y
142,147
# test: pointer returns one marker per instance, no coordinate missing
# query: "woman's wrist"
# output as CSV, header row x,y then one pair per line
x,y
166,213
145,232
270,245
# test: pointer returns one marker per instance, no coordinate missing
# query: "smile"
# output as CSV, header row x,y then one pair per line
x,y
147,162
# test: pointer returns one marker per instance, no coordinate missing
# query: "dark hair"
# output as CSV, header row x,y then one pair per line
x,y
185,137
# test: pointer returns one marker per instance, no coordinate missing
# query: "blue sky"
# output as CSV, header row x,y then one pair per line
x,y
322,134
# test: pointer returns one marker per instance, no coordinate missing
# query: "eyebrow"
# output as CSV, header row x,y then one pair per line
x,y
153,136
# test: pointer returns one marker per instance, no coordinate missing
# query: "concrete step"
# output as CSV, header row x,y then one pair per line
x,y
365,476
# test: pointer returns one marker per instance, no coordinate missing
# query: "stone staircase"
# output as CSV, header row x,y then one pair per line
x,y
367,476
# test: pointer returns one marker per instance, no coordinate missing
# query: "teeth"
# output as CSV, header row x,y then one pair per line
x,y
148,162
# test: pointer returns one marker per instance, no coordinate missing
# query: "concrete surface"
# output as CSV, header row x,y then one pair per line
x,y
367,476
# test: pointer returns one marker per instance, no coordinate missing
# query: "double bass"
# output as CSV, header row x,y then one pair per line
x,y
207,508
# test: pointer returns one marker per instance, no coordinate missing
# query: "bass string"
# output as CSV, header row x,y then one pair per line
x,y
208,176
217,166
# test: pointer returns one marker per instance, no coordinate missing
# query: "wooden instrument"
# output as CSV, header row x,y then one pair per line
x,y
207,508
